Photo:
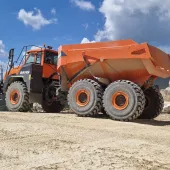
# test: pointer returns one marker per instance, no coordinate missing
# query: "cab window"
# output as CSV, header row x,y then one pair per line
x,y
30,59
51,58
38,58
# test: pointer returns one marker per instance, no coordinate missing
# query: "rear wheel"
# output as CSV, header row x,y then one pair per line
x,y
85,98
17,97
154,103
123,100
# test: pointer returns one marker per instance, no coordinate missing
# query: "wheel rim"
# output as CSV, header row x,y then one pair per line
x,y
120,100
14,97
82,97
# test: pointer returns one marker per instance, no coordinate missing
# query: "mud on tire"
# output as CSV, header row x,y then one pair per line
x,y
85,98
123,100
154,103
17,97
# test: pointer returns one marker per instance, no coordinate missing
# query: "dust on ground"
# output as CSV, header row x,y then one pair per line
x,y
64,141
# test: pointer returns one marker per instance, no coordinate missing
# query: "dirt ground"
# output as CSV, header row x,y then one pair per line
x,y
65,141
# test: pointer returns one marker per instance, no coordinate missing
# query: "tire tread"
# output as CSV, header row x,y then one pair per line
x,y
25,105
98,89
141,101
159,106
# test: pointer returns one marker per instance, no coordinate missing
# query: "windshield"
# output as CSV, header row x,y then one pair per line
x,y
30,58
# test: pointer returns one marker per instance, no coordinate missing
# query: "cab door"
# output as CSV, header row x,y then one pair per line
x,y
50,64
36,83
31,72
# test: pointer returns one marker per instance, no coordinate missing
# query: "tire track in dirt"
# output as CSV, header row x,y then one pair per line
x,y
64,141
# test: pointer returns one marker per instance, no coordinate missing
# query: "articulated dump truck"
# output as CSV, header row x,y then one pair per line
x,y
116,78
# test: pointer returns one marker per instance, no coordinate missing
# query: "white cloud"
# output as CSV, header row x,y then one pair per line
x,y
36,20
147,20
36,47
53,11
86,40
3,53
84,5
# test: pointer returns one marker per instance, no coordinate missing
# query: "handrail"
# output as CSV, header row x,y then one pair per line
x,y
25,48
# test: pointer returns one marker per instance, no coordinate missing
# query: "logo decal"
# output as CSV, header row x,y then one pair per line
x,y
25,72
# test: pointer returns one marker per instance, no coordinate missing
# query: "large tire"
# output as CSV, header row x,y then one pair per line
x,y
49,104
154,103
123,100
92,103
17,97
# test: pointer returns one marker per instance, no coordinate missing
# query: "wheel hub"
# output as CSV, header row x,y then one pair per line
x,y
120,100
14,97
82,97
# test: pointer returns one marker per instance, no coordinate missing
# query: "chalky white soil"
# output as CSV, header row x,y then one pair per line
x,y
39,141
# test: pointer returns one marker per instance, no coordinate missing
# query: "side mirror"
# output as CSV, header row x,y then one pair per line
x,y
11,54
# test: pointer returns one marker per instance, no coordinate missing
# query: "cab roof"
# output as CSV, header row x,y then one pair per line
x,y
42,49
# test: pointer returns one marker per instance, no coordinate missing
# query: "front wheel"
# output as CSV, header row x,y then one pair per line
x,y
17,97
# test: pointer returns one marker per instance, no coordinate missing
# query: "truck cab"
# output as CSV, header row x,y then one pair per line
x,y
32,80
47,58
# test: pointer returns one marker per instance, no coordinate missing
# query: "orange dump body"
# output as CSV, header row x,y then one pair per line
x,y
114,60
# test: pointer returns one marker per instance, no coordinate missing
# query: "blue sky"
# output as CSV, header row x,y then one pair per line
x,y
71,26
57,22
